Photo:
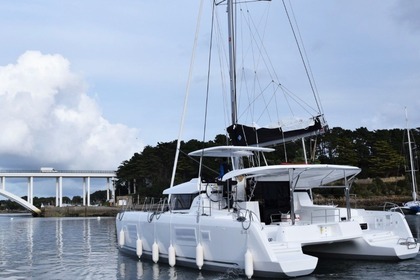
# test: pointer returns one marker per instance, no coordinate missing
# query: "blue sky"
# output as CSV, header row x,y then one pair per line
x,y
85,84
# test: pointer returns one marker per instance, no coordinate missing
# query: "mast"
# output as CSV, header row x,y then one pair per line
x,y
232,61
410,152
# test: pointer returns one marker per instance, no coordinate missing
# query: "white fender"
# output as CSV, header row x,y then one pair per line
x,y
139,247
249,264
155,252
171,255
199,256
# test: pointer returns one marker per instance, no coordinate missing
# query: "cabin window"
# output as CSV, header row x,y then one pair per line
x,y
182,201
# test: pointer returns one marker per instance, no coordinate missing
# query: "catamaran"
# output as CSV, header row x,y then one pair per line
x,y
260,219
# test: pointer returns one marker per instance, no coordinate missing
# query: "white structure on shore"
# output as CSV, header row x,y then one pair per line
x,y
48,172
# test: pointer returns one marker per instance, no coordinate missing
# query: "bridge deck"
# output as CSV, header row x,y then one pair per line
x,y
58,173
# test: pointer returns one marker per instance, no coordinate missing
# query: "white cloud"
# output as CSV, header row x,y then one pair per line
x,y
47,118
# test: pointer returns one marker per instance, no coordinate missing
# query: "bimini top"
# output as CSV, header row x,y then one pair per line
x,y
304,176
229,151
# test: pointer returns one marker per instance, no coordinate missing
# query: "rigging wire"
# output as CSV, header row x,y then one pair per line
x,y
316,93
302,53
258,54
207,92
223,59
198,162
257,44
256,37
256,47
178,144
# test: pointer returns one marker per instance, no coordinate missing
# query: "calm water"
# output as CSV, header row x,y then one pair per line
x,y
86,248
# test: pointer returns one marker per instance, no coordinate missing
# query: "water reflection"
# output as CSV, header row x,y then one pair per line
x,y
86,248
59,238
57,248
133,268
139,269
414,224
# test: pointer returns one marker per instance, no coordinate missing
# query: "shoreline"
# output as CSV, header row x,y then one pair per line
x,y
70,211
370,203
80,211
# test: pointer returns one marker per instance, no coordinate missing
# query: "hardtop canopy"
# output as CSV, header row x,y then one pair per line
x,y
303,176
229,151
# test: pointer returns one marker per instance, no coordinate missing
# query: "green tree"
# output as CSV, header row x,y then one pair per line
x,y
385,160
338,147
77,200
378,153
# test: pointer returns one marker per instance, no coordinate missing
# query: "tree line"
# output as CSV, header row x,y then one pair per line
x,y
379,153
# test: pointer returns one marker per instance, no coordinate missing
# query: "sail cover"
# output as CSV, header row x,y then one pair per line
x,y
242,135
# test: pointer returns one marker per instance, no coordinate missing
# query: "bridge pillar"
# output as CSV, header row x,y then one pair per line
x,y
3,183
113,190
84,191
60,186
57,193
88,191
31,190
107,189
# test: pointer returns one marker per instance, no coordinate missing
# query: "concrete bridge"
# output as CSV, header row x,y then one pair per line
x,y
47,172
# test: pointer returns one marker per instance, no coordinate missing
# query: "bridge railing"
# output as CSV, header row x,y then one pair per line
x,y
57,171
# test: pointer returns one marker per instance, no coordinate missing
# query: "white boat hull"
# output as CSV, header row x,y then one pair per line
x,y
385,236
224,242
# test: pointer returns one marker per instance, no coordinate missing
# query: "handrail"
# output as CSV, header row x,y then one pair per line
x,y
410,242
393,207
325,215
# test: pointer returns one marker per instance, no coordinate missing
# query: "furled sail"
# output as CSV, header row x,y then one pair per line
x,y
243,135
